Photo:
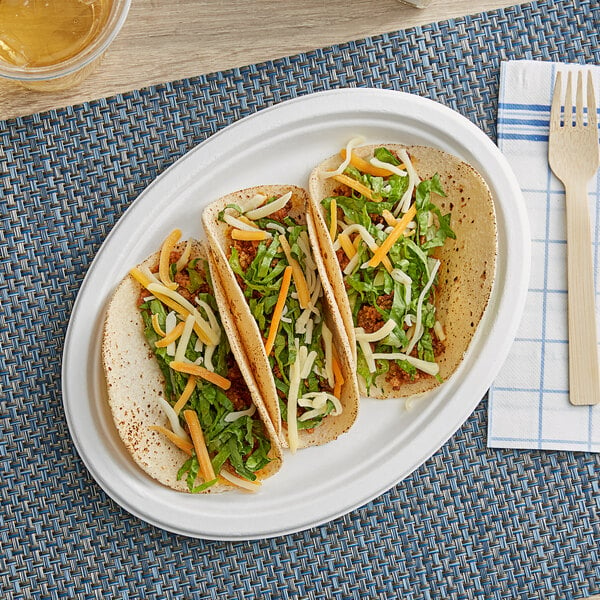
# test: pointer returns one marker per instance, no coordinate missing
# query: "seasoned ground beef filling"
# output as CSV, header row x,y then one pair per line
x,y
238,392
369,318
342,259
246,251
182,279
377,219
386,301
397,376
281,214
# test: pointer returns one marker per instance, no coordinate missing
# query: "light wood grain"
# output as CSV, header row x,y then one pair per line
x,y
166,40
573,156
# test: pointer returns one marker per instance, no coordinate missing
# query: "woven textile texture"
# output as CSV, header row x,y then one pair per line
x,y
469,523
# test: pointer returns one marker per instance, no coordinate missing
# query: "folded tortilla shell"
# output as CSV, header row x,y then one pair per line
x,y
238,312
467,266
134,382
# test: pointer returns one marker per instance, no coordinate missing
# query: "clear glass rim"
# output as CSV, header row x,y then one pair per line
x,y
115,21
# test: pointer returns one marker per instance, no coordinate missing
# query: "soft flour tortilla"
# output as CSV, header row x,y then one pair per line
x,y
134,381
467,263
238,312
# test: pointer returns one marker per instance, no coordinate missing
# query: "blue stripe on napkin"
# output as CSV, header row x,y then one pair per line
x,y
529,401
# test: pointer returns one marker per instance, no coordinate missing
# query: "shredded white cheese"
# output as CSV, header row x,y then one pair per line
x,y
387,166
318,402
413,181
184,339
368,354
378,335
212,318
364,234
418,327
149,274
302,321
308,364
427,367
173,419
401,277
439,331
208,354
353,143
267,209
309,331
254,202
237,224
292,405
304,245
234,416
277,227
170,324
284,312
352,264
251,486
185,256
328,344
213,336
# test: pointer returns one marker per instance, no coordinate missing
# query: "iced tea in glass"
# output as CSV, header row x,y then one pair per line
x,y
48,43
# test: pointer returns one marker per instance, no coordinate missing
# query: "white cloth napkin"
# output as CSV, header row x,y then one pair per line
x,y
529,401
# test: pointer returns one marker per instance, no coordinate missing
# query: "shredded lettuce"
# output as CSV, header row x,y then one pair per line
x,y
384,155
243,444
261,281
374,287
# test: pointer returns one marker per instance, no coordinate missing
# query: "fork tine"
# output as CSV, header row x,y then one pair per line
x,y
555,108
579,100
591,102
568,118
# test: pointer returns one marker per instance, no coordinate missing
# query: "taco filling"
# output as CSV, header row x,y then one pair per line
x,y
271,257
209,406
385,230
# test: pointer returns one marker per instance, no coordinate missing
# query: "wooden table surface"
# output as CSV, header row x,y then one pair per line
x,y
166,40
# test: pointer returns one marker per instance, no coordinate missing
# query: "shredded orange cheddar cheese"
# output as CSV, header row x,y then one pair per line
x,y
173,335
356,186
333,227
165,257
242,234
206,468
156,325
362,165
198,371
299,279
178,441
347,245
185,395
338,378
283,291
393,236
182,312
390,219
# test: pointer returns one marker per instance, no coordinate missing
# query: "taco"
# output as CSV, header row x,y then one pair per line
x,y
291,329
188,413
408,241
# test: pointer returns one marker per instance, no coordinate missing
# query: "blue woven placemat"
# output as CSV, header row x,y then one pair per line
x,y
470,523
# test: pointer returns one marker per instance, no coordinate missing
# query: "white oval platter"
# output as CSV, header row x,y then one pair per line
x,y
282,144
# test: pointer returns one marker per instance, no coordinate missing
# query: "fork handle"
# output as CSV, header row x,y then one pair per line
x,y
584,374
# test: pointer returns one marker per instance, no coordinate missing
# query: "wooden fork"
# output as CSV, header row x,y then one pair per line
x,y
573,154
